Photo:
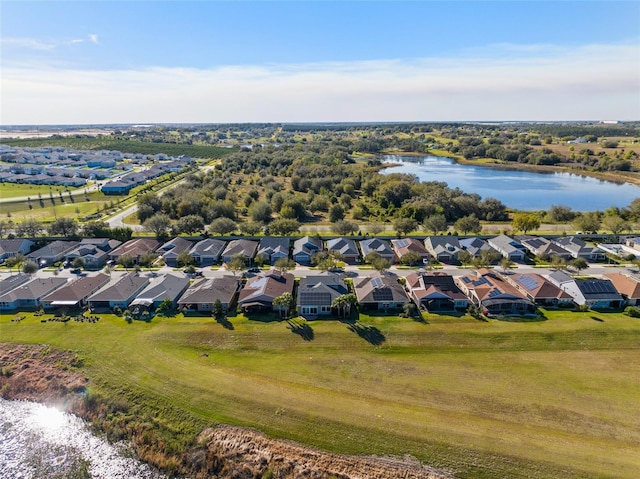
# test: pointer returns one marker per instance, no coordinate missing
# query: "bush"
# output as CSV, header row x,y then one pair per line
x,y
632,311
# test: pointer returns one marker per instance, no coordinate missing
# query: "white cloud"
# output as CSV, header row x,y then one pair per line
x,y
93,38
28,43
591,82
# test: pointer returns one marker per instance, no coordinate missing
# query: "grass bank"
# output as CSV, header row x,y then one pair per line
x,y
554,398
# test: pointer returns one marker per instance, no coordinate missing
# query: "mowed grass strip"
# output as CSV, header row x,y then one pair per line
x,y
555,398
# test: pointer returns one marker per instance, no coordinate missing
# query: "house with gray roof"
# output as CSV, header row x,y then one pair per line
x,y
246,248
346,248
202,295
12,282
260,291
160,288
579,249
274,248
75,293
476,247
305,248
436,292
380,292
172,249
544,248
52,253
509,248
94,251
12,247
207,251
444,249
594,293
29,295
317,293
376,245
118,294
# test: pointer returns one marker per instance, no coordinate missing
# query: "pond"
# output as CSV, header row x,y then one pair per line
x,y
522,190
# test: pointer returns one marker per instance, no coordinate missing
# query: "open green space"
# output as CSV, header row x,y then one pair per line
x,y
554,398
14,190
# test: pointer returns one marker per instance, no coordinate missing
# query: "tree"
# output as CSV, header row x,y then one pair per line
x,y
615,224
405,226
468,224
261,259
375,228
29,229
236,263
4,228
159,224
377,262
283,303
63,227
411,258
336,213
78,263
222,226
344,302
260,212
560,214
185,259
506,264
190,224
126,261
250,229
587,223
217,310
525,222
284,226
96,229
343,227
436,224
284,264
165,306
558,263
578,264
465,257
29,267
14,261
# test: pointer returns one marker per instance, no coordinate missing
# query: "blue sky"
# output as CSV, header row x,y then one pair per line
x,y
211,61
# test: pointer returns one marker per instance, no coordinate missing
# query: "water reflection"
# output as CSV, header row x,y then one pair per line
x,y
523,190
37,441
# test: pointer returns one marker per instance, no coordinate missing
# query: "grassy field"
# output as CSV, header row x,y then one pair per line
x,y
14,190
555,398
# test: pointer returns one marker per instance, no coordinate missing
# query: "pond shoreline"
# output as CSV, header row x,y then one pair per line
x,y
40,374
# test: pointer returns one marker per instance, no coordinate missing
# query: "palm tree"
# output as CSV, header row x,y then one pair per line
x,y
283,302
344,302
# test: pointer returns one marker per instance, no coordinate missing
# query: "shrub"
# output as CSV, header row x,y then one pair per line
x,y
632,311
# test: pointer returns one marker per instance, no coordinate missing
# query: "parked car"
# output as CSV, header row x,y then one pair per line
x,y
254,270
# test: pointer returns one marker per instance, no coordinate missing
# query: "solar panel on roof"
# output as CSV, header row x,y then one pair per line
x,y
383,294
377,282
528,282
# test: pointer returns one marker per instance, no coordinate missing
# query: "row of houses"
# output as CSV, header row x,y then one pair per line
x,y
206,252
491,292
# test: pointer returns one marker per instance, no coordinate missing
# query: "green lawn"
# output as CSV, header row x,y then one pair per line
x,y
555,398
13,190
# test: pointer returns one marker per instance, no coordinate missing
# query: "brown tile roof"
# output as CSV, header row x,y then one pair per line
x,y
626,284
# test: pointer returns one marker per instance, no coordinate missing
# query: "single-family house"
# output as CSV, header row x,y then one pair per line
x,y
444,249
93,251
316,294
260,291
404,246
508,247
436,292
594,293
75,293
274,248
53,252
376,245
244,247
305,248
493,295
173,248
380,292
202,295
544,248
477,247
346,249
29,295
134,248
12,247
628,285
12,282
207,252
117,187
118,294
539,290
579,249
160,288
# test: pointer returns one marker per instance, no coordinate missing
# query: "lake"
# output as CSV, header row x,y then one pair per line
x,y
522,190
38,441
